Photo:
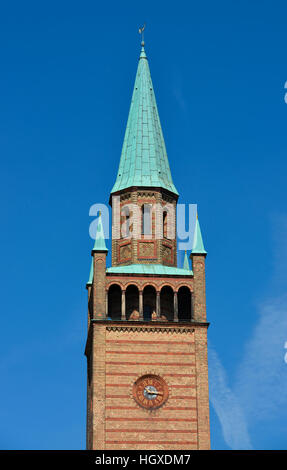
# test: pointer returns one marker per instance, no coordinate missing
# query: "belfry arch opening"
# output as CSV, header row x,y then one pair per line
x,y
184,304
167,303
149,302
114,302
132,301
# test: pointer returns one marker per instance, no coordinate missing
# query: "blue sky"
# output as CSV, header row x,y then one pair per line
x,y
67,72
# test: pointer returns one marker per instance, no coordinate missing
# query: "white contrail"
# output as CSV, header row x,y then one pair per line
x,y
261,382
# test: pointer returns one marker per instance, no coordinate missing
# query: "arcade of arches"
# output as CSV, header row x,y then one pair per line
x,y
149,304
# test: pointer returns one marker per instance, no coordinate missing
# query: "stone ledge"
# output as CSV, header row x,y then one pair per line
x,y
148,325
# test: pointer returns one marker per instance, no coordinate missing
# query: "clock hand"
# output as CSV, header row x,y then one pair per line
x,y
149,390
153,392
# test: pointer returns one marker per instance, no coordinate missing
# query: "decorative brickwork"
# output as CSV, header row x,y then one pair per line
x,y
157,281
143,249
125,252
124,354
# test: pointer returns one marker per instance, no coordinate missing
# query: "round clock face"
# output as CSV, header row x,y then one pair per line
x,y
150,391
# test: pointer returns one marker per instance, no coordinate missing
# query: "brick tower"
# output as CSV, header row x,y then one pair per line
x,y
147,330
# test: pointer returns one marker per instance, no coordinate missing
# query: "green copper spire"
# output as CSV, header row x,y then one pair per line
x,y
144,159
186,262
100,244
198,247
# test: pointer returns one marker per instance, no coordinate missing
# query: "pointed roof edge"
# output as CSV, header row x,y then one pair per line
x,y
155,269
186,262
198,246
100,243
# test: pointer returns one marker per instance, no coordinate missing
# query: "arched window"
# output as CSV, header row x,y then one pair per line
x,y
146,219
125,222
164,224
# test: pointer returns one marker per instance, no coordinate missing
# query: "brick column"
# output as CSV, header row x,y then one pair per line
x,y
175,306
99,389
199,301
141,305
158,304
99,284
134,241
123,316
158,225
192,306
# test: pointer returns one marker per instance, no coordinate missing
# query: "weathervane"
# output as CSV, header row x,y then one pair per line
x,y
141,31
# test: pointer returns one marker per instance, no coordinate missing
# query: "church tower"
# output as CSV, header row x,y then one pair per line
x,y
147,331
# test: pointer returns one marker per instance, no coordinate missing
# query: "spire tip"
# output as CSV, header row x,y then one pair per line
x,y
141,31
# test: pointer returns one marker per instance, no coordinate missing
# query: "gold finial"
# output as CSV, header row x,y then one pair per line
x,y
100,213
141,31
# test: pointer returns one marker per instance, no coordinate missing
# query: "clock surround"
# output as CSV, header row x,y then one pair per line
x,y
150,391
